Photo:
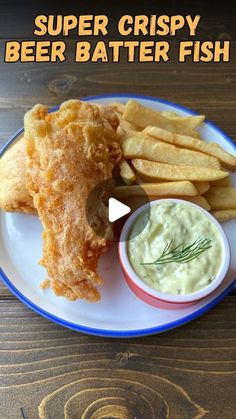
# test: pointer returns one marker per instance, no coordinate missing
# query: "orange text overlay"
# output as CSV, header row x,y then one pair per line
x,y
87,25
141,39
140,51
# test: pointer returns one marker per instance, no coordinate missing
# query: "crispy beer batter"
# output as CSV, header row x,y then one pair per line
x,y
14,196
68,153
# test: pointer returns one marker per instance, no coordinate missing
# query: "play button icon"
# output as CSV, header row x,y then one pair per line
x,y
117,209
109,204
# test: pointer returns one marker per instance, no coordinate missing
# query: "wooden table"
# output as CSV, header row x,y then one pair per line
x,y
185,373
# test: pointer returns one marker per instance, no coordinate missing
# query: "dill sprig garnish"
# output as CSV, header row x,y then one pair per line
x,y
182,253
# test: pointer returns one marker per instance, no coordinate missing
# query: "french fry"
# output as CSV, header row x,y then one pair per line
x,y
213,149
224,215
222,198
141,146
141,116
117,107
135,202
160,189
128,126
120,133
170,114
126,130
153,171
198,200
202,187
127,173
191,122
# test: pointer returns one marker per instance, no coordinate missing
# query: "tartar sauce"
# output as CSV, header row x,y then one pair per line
x,y
176,223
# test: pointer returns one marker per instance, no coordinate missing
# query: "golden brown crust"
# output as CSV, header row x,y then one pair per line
x,y
14,197
68,153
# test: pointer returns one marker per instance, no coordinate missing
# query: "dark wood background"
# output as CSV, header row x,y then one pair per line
x,y
185,373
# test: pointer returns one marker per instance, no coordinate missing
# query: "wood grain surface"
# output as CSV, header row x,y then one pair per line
x,y
56,373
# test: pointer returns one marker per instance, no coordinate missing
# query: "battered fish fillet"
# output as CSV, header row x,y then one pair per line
x,y
14,197
68,153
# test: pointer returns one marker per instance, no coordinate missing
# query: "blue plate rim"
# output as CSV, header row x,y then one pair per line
x,y
120,333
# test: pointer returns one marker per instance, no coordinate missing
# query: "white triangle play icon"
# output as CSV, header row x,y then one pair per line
x,y
116,209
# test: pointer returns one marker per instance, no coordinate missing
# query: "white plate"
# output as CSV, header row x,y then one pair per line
x,y
119,313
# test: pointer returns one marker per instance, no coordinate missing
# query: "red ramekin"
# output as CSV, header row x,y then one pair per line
x,y
157,298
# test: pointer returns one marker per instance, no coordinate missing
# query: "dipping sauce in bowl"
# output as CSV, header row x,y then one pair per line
x,y
181,254
173,224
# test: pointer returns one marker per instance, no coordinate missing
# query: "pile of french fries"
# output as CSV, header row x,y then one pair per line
x,y
164,153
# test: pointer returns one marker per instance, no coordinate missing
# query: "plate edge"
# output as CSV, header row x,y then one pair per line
x,y
109,333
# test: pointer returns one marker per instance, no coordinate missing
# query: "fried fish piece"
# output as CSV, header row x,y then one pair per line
x,y
14,197
69,152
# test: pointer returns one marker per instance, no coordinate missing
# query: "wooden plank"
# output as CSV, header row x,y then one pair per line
x,y
22,87
59,370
